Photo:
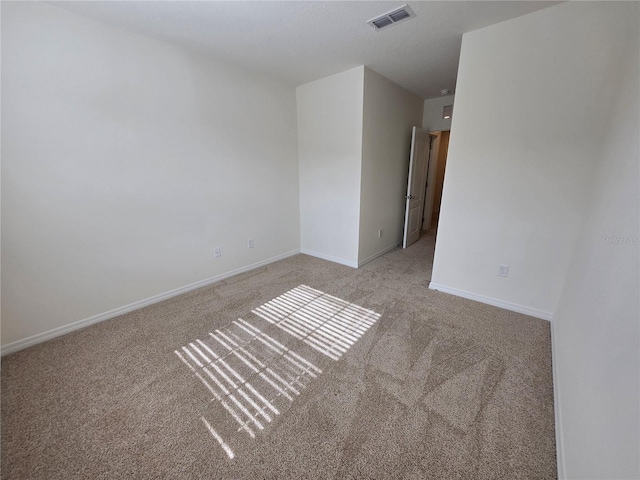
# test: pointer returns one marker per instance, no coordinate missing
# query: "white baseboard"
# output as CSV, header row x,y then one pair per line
x,y
379,254
556,406
56,332
341,261
514,307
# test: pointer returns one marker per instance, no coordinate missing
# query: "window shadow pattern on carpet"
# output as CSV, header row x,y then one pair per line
x,y
255,368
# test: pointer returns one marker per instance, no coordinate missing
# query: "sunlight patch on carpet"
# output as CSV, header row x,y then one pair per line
x,y
324,322
254,372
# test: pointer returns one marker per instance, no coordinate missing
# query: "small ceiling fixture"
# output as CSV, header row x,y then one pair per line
x,y
392,17
447,111
444,91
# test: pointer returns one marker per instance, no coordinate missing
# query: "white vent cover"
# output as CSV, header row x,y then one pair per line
x,y
392,17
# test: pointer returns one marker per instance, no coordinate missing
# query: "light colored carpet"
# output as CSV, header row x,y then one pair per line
x,y
300,369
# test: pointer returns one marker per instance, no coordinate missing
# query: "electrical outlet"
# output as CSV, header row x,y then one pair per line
x,y
380,233
503,270
217,252
250,243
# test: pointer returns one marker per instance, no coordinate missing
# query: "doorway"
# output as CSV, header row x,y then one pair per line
x,y
435,180
427,163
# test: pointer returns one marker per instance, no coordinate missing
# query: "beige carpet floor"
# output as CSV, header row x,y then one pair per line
x,y
300,369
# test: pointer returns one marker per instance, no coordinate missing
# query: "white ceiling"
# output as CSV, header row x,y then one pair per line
x,y
302,41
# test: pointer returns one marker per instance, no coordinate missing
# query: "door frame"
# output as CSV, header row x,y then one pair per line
x,y
427,211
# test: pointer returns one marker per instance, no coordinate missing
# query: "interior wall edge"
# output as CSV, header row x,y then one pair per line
x,y
329,258
557,406
32,340
378,254
514,307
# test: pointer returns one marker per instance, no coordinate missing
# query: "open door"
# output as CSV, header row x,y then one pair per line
x,y
418,165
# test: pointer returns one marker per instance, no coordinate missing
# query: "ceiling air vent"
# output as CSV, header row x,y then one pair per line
x,y
392,17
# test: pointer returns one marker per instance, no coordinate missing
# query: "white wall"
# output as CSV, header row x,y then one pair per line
x,y
596,326
125,161
541,185
432,117
525,134
330,160
390,112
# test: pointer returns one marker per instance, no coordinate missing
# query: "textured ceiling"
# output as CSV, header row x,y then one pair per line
x,y
302,41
